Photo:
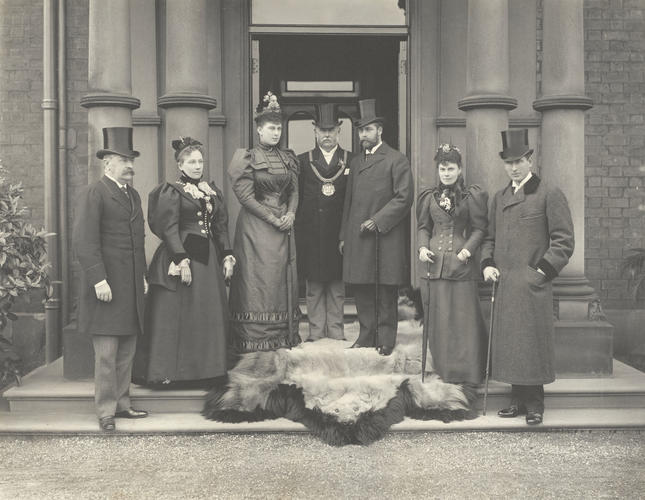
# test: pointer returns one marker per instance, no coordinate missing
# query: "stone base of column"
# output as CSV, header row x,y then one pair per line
x,y
584,348
584,339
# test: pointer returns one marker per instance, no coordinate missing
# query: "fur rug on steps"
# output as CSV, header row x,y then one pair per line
x,y
343,396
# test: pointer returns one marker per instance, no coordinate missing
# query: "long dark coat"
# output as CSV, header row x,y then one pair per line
x,y
319,217
380,187
108,242
527,230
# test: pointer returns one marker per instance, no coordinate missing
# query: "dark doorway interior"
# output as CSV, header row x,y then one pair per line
x,y
370,61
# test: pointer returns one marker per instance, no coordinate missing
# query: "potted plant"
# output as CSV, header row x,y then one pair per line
x,y
23,267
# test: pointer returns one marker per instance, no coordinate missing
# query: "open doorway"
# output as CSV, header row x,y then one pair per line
x,y
308,69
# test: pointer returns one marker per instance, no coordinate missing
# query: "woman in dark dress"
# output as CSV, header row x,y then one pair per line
x,y
452,222
265,285
187,316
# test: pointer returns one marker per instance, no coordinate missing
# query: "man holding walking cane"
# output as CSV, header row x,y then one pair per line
x,y
379,196
530,240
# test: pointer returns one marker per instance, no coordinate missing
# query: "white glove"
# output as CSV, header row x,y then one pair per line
x,y
491,273
425,255
103,291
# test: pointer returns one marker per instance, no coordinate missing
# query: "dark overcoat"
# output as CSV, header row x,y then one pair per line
x,y
319,216
380,187
108,242
527,230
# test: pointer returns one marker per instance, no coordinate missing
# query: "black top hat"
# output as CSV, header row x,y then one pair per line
x,y
367,108
117,141
515,144
326,115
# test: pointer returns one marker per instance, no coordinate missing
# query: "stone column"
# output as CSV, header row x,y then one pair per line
x,y
487,85
185,100
583,345
109,101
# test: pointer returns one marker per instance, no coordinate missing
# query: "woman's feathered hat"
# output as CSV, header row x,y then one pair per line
x,y
182,143
268,109
448,153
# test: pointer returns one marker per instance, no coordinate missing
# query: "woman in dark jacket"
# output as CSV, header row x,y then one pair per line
x,y
452,221
187,315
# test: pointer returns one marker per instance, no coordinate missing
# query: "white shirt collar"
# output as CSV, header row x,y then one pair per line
x,y
516,187
326,155
373,150
121,186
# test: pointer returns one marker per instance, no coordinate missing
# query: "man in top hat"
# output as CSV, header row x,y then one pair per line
x,y
380,192
322,182
530,239
108,242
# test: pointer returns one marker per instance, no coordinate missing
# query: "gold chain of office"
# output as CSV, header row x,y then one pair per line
x,y
328,188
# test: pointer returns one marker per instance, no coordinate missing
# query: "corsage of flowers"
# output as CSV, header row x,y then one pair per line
x,y
202,190
444,201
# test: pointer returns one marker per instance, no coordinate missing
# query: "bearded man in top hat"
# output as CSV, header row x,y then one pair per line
x,y
108,242
322,182
380,192
530,239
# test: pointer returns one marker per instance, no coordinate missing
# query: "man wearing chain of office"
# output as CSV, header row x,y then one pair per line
x,y
322,183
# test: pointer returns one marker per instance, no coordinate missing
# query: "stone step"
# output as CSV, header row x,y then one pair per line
x,y
184,423
45,390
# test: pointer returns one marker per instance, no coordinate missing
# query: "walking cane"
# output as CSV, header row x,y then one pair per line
x,y
377,283
490,341
426,321
289,290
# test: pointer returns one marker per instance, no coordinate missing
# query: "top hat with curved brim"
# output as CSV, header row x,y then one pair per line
x,y
515,144
326,115
117,141
367,108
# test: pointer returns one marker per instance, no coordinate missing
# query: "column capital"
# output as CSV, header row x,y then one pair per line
x,y
188,99
107,99
549,102
498,101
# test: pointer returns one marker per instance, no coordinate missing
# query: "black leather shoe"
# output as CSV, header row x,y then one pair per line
x,y
131,413
356,345
310,340
385,350
510,412
533,418
107,424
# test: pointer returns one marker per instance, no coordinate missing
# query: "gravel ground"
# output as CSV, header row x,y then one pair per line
x,y
432,465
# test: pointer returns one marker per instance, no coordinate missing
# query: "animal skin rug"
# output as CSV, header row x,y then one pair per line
x,y
343,396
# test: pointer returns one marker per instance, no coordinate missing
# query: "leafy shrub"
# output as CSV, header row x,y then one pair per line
x,y
23,266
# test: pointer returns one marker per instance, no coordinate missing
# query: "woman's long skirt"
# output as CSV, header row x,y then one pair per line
x,y
457,335
187,329
258,299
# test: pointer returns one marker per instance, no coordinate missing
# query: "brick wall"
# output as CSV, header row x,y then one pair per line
x,y
21,92
615,142
21,87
